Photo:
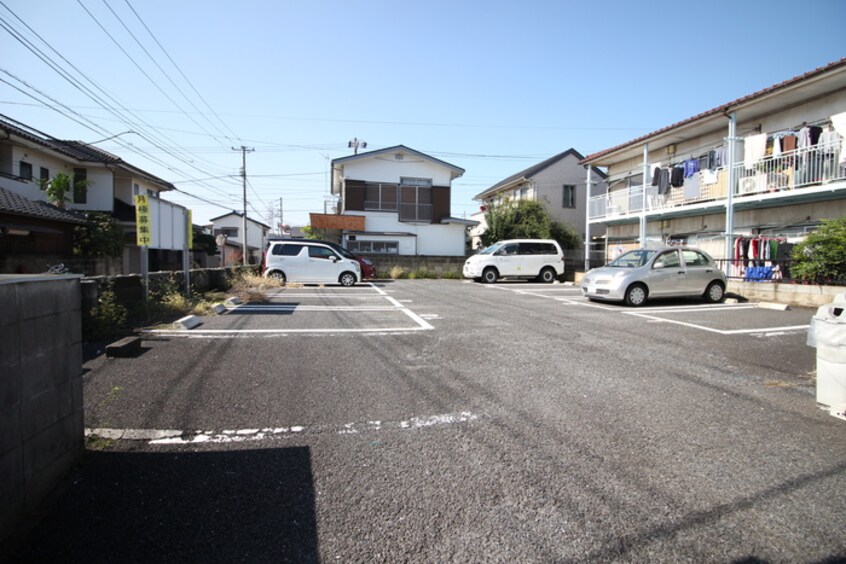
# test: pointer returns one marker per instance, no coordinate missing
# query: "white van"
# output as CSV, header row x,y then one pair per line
x,y
309,262
538,259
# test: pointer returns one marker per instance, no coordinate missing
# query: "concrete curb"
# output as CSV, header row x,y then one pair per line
x,y
187,322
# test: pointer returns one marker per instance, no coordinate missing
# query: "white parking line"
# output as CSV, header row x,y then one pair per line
x,y
420,323
182,437
644,312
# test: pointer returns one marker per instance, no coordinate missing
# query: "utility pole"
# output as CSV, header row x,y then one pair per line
x,y
244,150
281,217
356,143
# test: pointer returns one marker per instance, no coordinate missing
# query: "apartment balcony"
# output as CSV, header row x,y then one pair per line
x,y
806,174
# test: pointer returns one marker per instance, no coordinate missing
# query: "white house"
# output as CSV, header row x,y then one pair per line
x,y
28,156
396,201
231,225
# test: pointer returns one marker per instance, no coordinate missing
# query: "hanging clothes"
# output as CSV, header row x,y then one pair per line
x,y
677,177
691,167
754,148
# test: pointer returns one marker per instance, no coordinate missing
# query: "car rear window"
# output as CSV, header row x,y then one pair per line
x,y
287,250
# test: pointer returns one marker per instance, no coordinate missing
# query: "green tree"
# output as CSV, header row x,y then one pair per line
x,y
58,187
102,237
821,257
524,219
566,236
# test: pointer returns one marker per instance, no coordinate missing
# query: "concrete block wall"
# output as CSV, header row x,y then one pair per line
x,y
41,409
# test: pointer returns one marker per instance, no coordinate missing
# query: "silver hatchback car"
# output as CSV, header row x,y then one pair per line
x,y
667,272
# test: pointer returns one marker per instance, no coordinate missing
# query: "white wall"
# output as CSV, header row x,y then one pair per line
x,y
255,232
100,193
385,168
433,239
169,225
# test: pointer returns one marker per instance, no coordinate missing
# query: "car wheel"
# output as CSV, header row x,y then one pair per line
x,y
636,295
490,275
714,293
276,275
547,275
347,279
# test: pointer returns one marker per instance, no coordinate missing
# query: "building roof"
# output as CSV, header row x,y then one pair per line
x,y
725,109
77,150
532,171
398,148
239,214
15,204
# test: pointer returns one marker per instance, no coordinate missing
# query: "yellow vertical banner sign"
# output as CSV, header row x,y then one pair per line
x,y
143,236
190,231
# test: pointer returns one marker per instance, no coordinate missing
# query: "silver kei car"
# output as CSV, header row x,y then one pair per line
x,y
667,272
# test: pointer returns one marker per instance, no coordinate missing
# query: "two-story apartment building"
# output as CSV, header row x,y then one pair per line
x,y
28,157
395,201
559,183
743,180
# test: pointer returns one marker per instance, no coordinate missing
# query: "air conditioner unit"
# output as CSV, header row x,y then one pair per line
x,y
753,184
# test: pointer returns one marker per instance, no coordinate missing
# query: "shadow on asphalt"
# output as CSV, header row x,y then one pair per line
x,y
238,505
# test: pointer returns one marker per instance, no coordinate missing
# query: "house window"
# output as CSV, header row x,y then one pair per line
x,y
524,193
569,193
415,199
80,186
373,247
45,175
25,170
229,232
380,196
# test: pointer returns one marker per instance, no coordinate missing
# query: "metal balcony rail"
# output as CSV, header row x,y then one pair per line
x,y
792,170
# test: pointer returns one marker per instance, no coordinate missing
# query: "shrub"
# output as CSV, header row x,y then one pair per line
x,y
398,272
107,319
821,257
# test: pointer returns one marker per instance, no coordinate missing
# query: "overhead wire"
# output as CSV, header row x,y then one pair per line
x,y
141,127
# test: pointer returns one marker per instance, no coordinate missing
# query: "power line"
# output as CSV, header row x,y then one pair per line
x,y
180,70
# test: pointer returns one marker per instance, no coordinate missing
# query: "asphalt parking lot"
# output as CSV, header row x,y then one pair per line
x,y
424,420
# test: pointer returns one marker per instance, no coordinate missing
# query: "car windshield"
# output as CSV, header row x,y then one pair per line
x,y
490,250
344,252
633,259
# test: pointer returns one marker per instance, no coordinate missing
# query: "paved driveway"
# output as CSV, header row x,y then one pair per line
x,y
451,421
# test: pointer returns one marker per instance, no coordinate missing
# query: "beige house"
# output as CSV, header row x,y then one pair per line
x,y
766,167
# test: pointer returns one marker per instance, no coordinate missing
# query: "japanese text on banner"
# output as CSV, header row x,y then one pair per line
x,y
142,221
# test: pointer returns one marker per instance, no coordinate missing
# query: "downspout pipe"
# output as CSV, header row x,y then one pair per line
x,y
643,203
587,217
731,143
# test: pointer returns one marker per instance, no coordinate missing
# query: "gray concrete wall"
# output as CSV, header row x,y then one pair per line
x,y
41,411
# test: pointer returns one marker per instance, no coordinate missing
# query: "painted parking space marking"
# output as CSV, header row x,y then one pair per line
x,y
373,292
184,437
653,314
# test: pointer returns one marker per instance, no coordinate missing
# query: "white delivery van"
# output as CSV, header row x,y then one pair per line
x,y
537,259
309,262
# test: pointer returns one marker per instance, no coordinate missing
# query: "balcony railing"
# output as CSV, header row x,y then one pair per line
x,y
779,176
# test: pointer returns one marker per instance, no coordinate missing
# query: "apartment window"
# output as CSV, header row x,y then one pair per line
x,y
569,196
415,199
25,170
380,196
80,186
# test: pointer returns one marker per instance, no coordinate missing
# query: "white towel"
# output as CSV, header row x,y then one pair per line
x,y
838,122
754,148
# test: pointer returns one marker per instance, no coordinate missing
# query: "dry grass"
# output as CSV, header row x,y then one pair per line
x,y
398,272
252,287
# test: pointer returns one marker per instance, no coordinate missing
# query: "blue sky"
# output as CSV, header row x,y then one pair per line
x,y
492,87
